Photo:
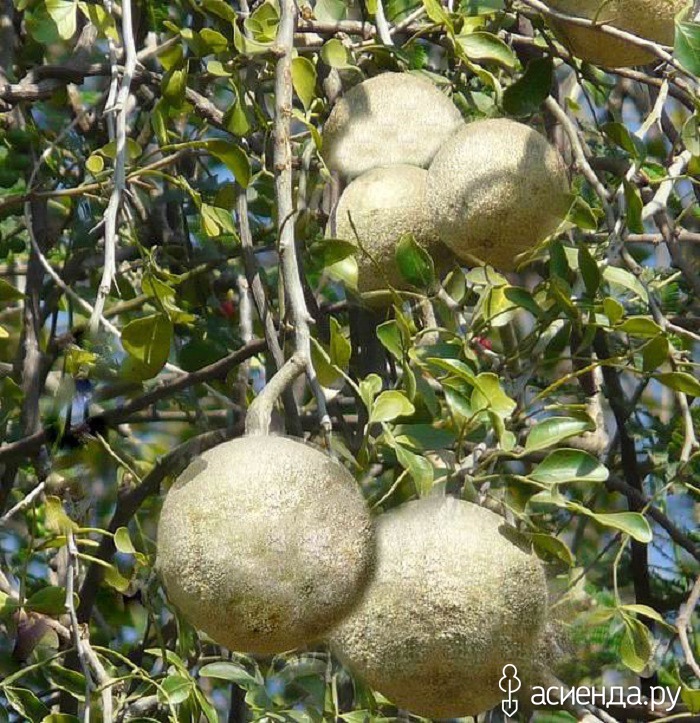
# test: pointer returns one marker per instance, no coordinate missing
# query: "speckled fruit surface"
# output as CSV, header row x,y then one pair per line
x,y
650,19
393,118
496,189
384,204
452,602
264,543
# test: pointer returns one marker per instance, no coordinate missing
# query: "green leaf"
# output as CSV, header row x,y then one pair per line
x,y
50,600
635,647
646,611
69,680
327,374
335,54
483,46
8,293
437,14
589,271
691,698
548,546
680,382
522,298
62,718
389,334
582,215
56,520
622,277
304,80
633,524
553,430
525,96
236,117
147,340
263,22
221,9
228,670
633,199
132,149
414,262
214,41
340,349
370,386
26,703
390,405
569,465
7,605
489,394
173,86
122,541
64,15
233,157
418,467
95,164
655,353
691,134
208,709
330,10
175,689
686,47
639,326
613,309
327,252
620,136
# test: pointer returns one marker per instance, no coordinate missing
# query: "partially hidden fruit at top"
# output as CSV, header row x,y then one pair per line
x,y
264,543
453,601
393,118
496,189
650,19
374,212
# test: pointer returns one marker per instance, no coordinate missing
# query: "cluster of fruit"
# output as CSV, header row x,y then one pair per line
x,y
492,189
266,544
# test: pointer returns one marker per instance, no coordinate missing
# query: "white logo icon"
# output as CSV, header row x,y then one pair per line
x,y
509,683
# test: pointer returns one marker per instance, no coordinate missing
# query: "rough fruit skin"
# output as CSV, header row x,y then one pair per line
x,y
452,602
495,189
384,204
264,543
393,118
650,19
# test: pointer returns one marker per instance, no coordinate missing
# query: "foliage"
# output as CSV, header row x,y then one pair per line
x,y
562,395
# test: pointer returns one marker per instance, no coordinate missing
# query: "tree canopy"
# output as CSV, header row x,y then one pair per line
x,y
167,251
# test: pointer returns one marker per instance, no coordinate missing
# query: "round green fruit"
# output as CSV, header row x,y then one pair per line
x,y
496,189
451,603
264,543
383,205
393,118
650,19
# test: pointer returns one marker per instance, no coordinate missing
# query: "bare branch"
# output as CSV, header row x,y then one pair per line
x,y
285,204
683,625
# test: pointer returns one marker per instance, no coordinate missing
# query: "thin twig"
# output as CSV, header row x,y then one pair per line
x,y
23,503
78,642
120,111
285,203
382,24
579,152
683,625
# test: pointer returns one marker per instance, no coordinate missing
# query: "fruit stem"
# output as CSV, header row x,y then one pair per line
x,y
257,421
